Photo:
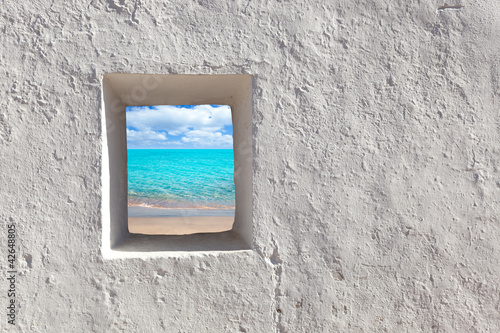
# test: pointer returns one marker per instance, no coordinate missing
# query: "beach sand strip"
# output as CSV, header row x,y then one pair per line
x,y
179,225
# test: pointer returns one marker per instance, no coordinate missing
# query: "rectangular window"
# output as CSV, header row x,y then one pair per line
x,y
124,93
180,169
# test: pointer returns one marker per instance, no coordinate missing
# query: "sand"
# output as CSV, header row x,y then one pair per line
x,y
179,225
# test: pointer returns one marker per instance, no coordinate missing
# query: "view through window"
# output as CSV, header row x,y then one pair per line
x,y
180,166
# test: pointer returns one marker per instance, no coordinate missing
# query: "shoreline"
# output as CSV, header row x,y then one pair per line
x,y
177,207
140,211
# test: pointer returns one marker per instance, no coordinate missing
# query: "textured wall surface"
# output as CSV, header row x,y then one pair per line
x,y
376,165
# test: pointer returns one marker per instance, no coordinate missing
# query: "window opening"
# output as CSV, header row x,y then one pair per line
x,y
180,164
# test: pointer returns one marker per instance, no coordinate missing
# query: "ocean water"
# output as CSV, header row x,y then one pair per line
x,y
181,178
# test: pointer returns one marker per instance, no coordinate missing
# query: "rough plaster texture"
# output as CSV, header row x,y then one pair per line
x,y
376,178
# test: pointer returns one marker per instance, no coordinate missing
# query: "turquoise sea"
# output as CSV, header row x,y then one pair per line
x,y
181,178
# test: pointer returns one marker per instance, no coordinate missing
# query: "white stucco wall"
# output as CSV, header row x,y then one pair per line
x,y
376,179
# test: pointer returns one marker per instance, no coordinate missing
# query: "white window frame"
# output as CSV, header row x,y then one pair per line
x,y
122,90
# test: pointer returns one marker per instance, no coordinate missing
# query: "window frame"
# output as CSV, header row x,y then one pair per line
x,y
122,90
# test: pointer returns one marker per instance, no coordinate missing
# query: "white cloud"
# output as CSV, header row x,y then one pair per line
x,y
146,135
208,139
201,126
178,120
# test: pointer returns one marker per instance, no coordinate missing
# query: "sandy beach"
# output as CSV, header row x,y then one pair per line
x,y
157,221
179,225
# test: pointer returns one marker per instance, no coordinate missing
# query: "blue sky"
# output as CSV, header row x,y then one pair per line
x,y
179,127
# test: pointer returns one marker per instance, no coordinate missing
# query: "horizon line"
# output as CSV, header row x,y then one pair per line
x,y
184,148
